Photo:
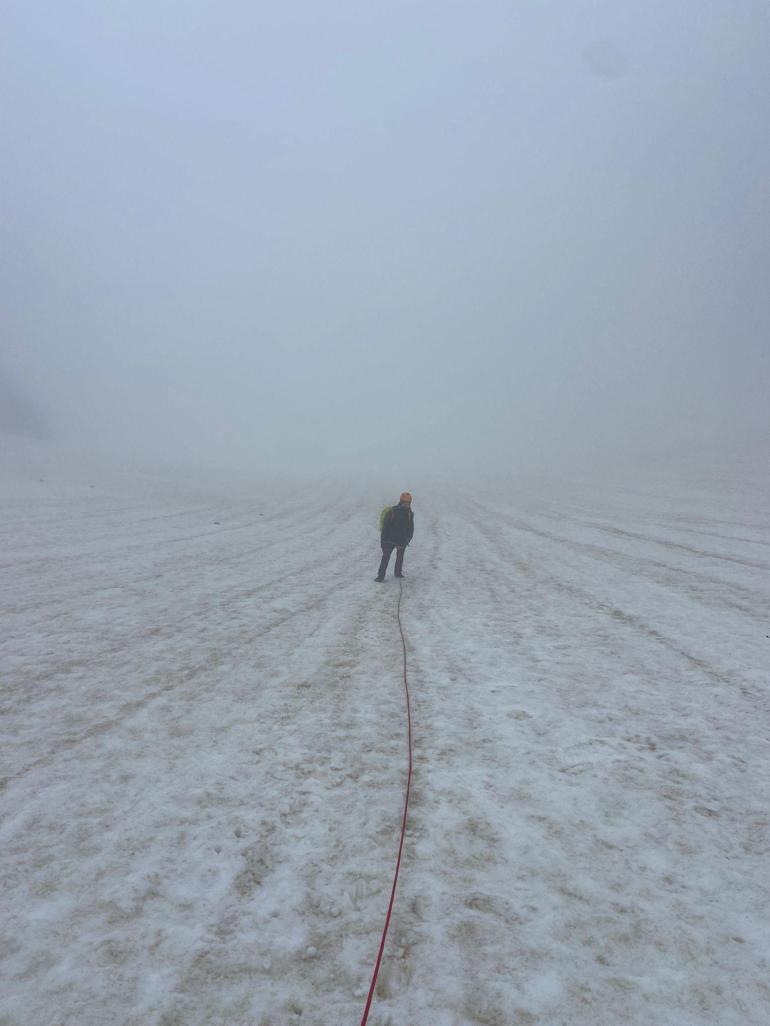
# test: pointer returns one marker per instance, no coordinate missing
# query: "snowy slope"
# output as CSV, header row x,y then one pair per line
x,y
203,752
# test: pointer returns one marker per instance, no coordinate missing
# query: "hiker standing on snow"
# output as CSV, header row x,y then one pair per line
x,y
396,530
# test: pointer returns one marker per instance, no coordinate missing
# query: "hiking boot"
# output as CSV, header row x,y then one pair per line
x,y
398,575
379,579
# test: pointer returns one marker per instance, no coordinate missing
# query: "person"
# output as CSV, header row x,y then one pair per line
x,y
396,530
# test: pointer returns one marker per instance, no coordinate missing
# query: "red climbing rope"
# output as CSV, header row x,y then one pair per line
x,y
376,972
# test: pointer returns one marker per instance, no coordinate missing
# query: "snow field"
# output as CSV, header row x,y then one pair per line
x,y
204,754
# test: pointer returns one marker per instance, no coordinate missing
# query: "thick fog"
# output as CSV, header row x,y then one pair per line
x,y
311,235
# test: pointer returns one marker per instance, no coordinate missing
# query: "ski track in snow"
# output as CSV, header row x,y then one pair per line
x,y
204,755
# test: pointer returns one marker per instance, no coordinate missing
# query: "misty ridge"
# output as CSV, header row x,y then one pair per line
x,y
329,238
18,416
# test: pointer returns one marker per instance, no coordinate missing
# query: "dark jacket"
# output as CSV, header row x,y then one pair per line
x,y
398,527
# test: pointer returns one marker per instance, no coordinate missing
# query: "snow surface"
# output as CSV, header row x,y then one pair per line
x,y
203,751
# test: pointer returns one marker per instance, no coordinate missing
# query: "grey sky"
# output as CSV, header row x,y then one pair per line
x,y
330,233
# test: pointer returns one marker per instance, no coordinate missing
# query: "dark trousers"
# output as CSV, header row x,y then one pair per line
x,y
387,548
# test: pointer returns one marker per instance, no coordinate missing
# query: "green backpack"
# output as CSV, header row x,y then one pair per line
x,y
385,513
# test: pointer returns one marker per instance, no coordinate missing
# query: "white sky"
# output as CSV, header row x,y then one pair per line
x,y
329,234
